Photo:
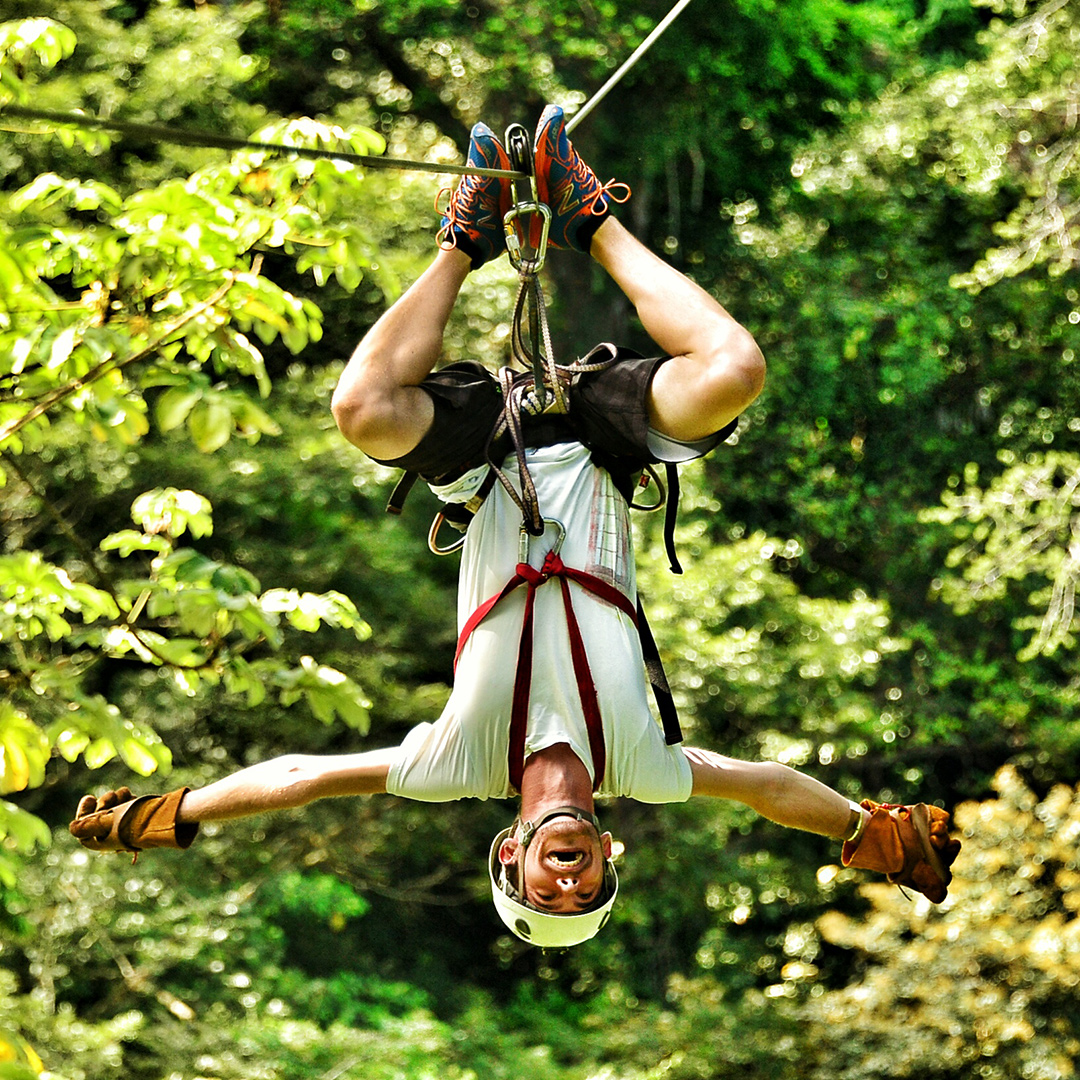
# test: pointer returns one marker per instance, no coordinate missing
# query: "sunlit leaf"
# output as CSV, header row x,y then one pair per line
x,y
174,406
210,423
173,512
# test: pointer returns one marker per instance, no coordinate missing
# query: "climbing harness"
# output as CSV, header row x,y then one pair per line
x,y
554,567
532,579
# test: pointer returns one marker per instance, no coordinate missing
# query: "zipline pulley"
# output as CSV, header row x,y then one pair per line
x,y
527,222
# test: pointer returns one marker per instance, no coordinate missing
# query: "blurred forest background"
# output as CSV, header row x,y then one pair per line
x,y
196,572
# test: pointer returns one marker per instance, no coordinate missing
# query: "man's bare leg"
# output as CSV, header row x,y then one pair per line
x,y
287,782
378,404
716,369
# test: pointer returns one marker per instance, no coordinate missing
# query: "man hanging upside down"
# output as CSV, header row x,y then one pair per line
x,y
549,697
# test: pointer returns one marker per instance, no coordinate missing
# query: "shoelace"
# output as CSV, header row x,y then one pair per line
x,y
454,218
582,176
608,190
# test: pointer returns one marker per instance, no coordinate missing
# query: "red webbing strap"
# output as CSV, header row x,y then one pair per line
x,y
519,710
590,706
481,612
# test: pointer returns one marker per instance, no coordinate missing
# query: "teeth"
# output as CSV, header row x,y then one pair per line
x,y
565,860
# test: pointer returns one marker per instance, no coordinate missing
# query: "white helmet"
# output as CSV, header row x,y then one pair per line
x,y
545,929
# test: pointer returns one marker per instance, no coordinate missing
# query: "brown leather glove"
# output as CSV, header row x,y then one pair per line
x,y
910,845
117,821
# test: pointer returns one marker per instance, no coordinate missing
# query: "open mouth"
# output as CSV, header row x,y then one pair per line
x,y
566,860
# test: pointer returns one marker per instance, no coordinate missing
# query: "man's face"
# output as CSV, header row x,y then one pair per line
x,y
563,865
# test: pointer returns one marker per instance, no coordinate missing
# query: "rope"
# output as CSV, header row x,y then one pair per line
x,y
523,398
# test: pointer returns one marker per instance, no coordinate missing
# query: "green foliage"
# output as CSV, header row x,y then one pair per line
x,y
769,652
198,962
987,984
18,1059
112,301
888,387
27,40
1022,526
952,126
881,192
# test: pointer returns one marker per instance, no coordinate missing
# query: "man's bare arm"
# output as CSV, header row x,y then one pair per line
x,y
779,793
289,781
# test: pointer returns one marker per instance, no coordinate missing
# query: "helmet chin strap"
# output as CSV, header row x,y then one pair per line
x,y
529,828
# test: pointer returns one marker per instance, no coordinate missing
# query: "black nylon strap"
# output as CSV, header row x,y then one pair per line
x,y
401,492
671,512
654,668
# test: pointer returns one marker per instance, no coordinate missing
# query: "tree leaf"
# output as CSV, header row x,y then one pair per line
x,y
210,423
173,406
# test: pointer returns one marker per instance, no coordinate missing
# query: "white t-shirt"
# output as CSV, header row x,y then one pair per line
x,y
464,753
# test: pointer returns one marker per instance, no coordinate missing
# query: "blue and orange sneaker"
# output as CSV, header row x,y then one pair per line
x,y
473,221
579,203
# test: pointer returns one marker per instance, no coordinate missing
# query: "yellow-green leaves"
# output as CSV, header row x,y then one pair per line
x,y
171,285
37,598
173,512
199,616
18,1059
1020,527
329,693
24,41
95,730
23,751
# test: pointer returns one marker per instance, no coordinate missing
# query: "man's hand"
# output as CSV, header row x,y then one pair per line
x,y
910,845
118,821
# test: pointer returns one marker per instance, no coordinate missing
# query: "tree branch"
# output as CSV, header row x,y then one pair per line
x,y
62,393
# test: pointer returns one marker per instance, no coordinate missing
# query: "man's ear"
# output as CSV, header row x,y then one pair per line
x,y
508,850
605,844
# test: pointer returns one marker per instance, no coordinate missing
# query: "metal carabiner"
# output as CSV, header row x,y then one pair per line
x,y
519,253
433,537
524,536
525,257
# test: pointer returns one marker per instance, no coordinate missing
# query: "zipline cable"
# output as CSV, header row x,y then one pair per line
x,y
637,54
162,133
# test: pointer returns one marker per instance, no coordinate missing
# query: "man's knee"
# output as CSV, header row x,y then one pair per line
x,y
734,375
694,397
361,414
